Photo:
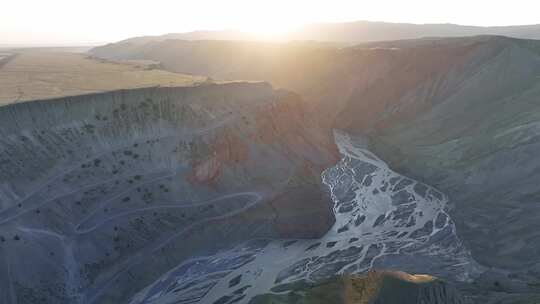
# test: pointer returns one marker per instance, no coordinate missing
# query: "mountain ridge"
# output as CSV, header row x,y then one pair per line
x,y
355,32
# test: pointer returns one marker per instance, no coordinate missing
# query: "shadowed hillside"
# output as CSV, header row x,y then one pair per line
x,y
99,194
457,113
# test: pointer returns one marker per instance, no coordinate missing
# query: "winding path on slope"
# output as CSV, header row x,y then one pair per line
x,y
78,227
180,205
11,214
92,294
18,212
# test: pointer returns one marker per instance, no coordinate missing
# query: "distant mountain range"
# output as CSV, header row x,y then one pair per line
x,y
359,32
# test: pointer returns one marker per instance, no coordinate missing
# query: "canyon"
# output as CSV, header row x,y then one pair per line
x,y
285,167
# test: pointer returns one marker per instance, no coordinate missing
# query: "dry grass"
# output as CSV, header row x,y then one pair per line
x,y
38,75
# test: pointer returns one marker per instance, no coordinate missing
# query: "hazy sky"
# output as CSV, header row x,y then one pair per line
x,y
91,21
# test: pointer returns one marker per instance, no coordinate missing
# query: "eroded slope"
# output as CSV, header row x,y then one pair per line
x,y
101,194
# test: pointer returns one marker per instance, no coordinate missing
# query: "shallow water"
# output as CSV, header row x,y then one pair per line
x,y
383,220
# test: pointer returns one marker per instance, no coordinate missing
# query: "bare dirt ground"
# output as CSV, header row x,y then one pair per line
x,y
31,75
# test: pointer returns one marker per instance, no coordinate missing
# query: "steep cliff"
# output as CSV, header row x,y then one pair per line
x,y
101,194
469,129
366,76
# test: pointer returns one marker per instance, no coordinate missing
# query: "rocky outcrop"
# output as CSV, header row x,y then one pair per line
x,y
103,193
377,287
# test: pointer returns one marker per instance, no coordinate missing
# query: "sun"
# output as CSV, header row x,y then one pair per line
x,y
270,26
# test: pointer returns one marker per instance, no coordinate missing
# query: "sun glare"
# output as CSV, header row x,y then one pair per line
x,y
274,27
47,21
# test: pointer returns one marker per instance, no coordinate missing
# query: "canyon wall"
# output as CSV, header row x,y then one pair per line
x,y
101,194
